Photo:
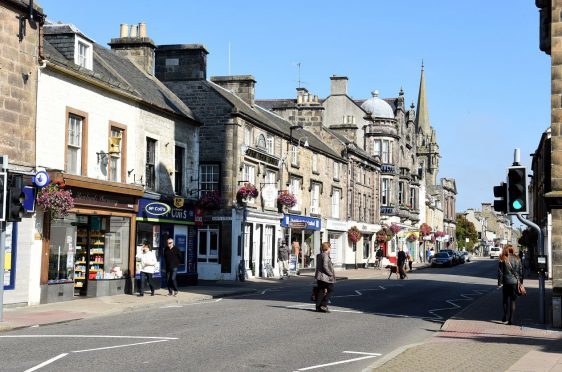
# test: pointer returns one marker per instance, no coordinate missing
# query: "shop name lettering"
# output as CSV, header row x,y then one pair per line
x,y
160,209
96,198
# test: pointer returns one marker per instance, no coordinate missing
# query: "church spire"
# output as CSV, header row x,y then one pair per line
x,y
422,116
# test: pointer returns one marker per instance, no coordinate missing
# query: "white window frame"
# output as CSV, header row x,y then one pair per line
x,y
270,144
80,59
207,175
295,189
377,151
315,198
386,154
401,193
211,255
294,155
249,175
75,139
270,179
315,162
386,191
336,170
413,198
336,197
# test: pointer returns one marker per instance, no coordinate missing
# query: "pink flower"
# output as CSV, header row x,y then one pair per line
x,y
55,200
287,199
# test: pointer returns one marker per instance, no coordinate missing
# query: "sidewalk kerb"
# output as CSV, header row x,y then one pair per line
x,y
390,356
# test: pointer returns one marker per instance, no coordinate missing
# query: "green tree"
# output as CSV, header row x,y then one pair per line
x,y
466,229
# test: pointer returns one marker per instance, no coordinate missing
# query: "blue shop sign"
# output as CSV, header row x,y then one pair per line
x,y
174,211
302,222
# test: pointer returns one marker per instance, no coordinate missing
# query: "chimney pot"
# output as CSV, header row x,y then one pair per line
x,y
123,30
134,31
142,29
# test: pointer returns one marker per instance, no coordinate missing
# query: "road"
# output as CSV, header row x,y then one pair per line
x,y
276,329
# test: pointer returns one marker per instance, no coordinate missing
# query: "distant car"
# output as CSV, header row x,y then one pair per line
x,y
460,256
495,252
442,259
467,256
454,255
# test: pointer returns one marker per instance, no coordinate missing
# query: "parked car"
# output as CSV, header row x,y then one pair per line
x,y
495,252
442,259
460,256
467,256
455,257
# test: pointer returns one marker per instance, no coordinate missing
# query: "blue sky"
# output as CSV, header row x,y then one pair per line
x,y
487,83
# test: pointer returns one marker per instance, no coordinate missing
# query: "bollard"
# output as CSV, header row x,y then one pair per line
x,y
556,312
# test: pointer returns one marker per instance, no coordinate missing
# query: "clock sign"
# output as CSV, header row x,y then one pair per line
x,y
41,179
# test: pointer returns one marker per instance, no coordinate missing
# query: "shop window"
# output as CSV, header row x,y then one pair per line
x,y
208,244
179,171
116,247
63,247
150,181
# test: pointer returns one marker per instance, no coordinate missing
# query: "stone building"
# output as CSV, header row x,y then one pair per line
x,y
20,63
245,143
116,138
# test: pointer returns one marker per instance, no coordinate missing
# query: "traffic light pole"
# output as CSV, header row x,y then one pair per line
x,y
541,273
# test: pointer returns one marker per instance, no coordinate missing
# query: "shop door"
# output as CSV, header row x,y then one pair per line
x,y
166,232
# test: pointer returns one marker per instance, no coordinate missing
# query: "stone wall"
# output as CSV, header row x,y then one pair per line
x,y
18,74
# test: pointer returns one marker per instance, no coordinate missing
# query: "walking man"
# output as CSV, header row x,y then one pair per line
x,y
172,258
283,260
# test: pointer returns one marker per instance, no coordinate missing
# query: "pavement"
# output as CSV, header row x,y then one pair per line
x,y
474,340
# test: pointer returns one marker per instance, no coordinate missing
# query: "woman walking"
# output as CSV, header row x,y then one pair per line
x,y
325,278
148,263
510,273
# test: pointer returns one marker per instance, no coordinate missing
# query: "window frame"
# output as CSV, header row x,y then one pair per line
x,y
84,140
154,185
205,181
208,257
123,153
386,191
315,198
336,197
179,174
295,188
87,58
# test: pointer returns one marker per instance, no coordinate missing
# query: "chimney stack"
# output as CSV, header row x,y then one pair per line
x,y
181,62
134,45
244,86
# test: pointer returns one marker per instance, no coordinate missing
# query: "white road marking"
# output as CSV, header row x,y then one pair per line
x,y
466,297
192,304
47,362
368,356
118,346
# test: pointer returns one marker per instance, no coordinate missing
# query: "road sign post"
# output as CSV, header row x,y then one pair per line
x,y
3,169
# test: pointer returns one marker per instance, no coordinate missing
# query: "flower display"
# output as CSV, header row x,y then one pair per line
x,y
55,200
247,190
287,199
210,200
354,234
439,234
425,229
412,237
394,228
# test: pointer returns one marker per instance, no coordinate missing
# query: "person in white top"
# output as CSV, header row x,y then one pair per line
x,y
148,263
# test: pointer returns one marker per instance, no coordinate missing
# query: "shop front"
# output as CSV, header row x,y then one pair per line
x,y
156,222
337,236
89,251
303,234
260,243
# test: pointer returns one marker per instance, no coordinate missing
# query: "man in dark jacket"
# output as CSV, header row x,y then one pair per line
x,y
400,261
283,260
172,258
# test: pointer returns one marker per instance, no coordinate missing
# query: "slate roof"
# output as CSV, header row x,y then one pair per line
x,y
117,72
273,121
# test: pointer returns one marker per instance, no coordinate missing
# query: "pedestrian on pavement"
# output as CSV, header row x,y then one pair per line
x,y
410,261
325,278
172,258
378,261
510,273
400,262
283,260
148,264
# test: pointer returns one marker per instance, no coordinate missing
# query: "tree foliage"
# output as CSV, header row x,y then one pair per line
x,y
466,229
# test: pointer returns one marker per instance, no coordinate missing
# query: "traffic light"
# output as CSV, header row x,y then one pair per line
x,y
517,190
16,197
500,192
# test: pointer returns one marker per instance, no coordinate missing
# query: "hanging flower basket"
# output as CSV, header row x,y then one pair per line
x,y
412,237
286,199
394,228
425,229
439,234
247,191
55,200
210,200
354,234
381,236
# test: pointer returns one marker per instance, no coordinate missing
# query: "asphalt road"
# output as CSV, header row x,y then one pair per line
x,y
273,330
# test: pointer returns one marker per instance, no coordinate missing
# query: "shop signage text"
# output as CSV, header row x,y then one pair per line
x,y
164,211
308,223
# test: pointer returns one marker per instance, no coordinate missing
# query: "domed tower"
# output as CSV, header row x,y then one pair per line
x,y
428,149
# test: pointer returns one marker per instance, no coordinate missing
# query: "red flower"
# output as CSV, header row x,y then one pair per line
x,y
354,234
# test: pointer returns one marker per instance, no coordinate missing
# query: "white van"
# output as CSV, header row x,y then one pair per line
x,y
495,252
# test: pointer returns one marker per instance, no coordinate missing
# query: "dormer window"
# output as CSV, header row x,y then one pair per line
x,y
83,53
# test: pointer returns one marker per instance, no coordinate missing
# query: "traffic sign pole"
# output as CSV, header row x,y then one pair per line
x,y
3,168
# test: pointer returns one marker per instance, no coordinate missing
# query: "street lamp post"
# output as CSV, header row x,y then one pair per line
x,y
242,263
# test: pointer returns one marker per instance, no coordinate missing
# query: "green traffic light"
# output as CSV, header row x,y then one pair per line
x,y
517,204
